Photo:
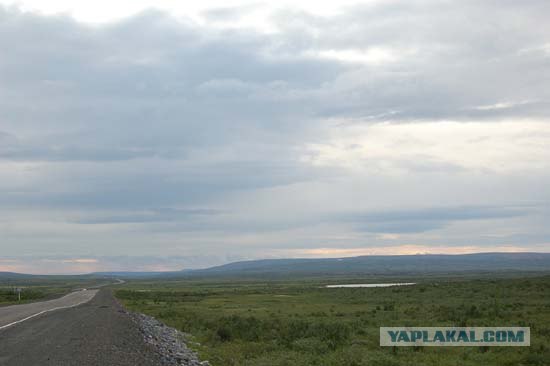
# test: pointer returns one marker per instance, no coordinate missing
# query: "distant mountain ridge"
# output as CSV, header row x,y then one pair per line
x,y
14,275
382,265
385,265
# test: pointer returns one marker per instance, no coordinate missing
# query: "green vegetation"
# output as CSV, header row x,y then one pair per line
x,y
301,323
38,288
9,296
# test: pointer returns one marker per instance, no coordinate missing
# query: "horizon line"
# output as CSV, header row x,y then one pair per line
x,y
266,259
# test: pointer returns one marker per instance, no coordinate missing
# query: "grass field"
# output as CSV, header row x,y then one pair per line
x,y
302,323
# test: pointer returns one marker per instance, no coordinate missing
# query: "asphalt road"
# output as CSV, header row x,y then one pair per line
x,y
17,313
97,333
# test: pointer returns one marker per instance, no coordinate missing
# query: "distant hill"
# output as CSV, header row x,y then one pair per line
x,y
126,274
382,265
372,265
14,276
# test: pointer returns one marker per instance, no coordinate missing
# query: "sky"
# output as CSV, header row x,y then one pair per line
x,y
163,135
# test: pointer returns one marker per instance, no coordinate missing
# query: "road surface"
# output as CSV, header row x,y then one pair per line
x,y
95,333
10,315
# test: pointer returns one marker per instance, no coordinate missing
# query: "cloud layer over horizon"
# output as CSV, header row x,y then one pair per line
x,y
386,127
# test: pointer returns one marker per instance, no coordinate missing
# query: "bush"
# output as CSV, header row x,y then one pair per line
x,y
310,345
238,327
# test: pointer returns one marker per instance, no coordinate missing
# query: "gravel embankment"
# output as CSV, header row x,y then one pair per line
x,y
168,343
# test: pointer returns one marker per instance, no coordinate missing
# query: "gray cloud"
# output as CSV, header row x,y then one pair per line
x,y
229,13
421,220
76,153
164,214
449,57
165,125
160,183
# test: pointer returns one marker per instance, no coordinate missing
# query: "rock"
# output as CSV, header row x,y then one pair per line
x,y
167,342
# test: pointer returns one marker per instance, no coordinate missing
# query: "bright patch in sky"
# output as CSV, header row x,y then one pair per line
x,y
513,146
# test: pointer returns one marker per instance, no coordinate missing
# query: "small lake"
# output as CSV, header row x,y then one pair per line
x,y
372,285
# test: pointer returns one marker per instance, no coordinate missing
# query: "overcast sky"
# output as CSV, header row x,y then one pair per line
x,y
161,135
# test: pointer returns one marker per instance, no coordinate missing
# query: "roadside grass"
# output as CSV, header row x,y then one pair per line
x,y
301,323
9,296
